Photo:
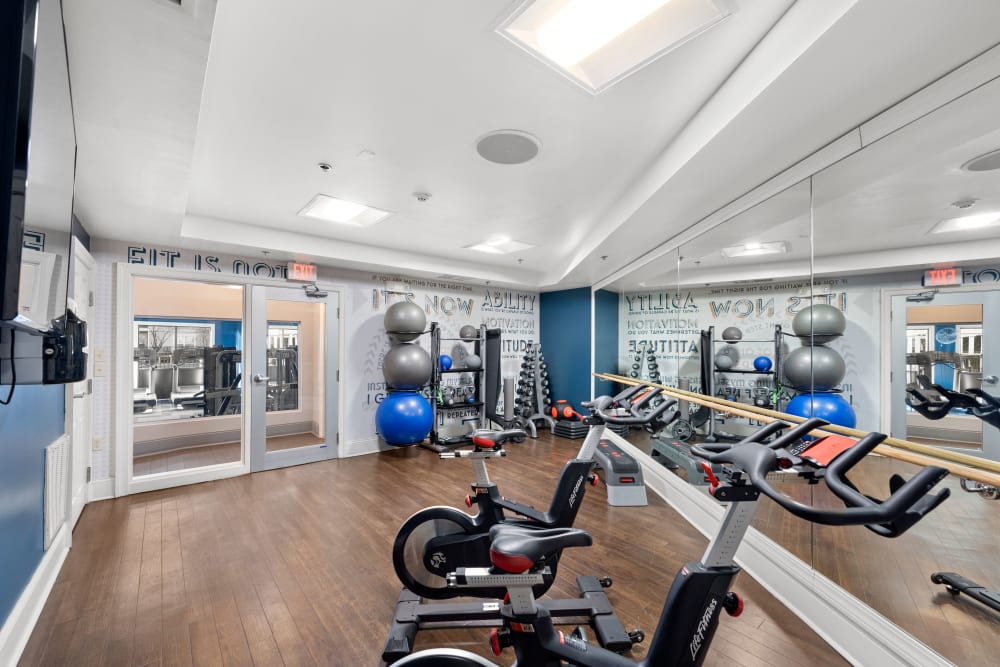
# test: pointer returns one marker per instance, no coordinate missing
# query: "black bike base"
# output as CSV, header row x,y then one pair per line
x,y
956,583
412,615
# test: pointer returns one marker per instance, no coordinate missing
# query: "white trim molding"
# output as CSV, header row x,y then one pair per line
x,y
101,489
17,629
855,630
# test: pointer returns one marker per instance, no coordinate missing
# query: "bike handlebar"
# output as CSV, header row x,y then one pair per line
x,y
639,411
908,501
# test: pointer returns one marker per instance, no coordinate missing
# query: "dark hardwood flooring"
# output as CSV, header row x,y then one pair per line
x,y
293,567
206,455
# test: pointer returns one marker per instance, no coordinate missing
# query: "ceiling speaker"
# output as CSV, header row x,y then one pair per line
x,y
508,147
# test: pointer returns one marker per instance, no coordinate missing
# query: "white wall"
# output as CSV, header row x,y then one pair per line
x,y
451,304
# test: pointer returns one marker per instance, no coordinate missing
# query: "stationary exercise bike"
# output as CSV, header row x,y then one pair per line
x,y
436,540
700,590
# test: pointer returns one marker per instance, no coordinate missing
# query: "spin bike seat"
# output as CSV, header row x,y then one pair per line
x,y
493,439
516,549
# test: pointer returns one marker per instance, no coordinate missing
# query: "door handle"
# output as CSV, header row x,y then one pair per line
x,y
990,379
258,378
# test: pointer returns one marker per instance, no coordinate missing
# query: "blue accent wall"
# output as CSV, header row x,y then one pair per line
x,y
605,339
32,421
564,332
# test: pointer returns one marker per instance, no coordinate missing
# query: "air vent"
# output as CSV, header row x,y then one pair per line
x,y
54,508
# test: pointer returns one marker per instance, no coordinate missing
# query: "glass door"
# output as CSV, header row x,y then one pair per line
x,y
944,338
186,372
293,377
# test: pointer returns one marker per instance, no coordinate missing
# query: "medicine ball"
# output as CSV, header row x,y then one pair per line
x,y
468,333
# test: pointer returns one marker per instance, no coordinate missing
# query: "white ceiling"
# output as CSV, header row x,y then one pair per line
x,y
208,136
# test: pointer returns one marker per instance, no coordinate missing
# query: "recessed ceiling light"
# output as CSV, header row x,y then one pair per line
x,y
987,162
755,248
597,43
966,223
499,246
325,166
331,209
581,27
507,146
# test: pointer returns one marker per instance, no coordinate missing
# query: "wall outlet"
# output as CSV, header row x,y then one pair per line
x,y
99,355
98,444
100,370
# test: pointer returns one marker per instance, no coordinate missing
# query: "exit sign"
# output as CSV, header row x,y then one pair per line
x,y
942,277
302,272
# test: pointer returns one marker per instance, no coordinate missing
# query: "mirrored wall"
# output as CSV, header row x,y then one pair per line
x,y
839,297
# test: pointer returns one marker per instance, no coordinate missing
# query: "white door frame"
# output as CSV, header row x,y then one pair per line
x,y
885,339
80,395
124,272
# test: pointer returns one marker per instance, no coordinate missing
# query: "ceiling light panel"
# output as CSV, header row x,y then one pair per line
x,y
967,223
331,209
753,249
500,246
597,43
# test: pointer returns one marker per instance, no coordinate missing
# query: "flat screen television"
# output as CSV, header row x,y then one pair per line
x,y
37,164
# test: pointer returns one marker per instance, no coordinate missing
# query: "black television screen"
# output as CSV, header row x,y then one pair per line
x,y
37,163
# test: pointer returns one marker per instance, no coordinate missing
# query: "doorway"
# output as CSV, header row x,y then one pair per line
x,y
294,373
938,341
221,377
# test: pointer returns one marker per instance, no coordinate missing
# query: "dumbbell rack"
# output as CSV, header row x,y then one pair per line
x,y
648,368
533,396
439,442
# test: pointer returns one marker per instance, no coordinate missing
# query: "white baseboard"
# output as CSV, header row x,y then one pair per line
x,y
855,630
101,489
363,446
17,629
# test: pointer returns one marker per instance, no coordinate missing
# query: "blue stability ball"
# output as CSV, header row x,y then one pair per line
x,y
445,362
403,418
830,407
762,364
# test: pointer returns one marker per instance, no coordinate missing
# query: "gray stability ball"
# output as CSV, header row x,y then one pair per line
x,y
406,366
827,368
473,362
404,321
823,321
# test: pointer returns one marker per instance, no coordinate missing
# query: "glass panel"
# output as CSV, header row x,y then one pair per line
x,y
951,358
186,375
295,361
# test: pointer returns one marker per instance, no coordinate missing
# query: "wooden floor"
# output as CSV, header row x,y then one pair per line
x,y
205,455
293,567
